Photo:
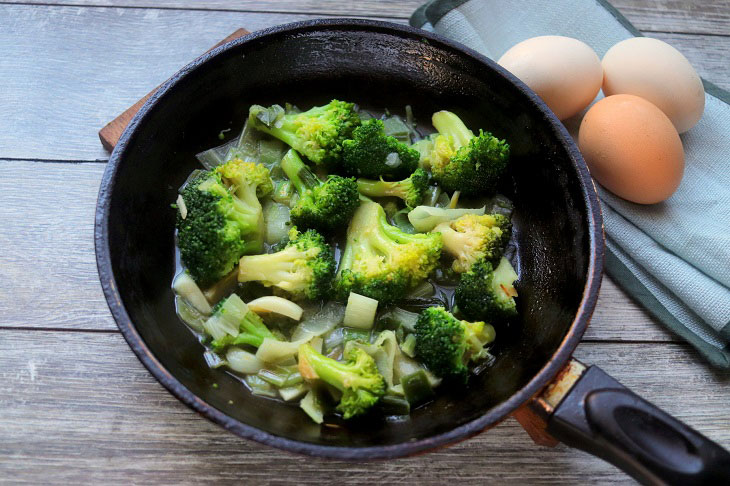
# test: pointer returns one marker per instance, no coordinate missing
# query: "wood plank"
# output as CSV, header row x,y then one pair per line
x,y
687,16
79,407
48,278
48,273
692,16
62,84
86,78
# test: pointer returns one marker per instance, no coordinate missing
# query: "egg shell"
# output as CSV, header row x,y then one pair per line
x,y
563,71
658,72
632,149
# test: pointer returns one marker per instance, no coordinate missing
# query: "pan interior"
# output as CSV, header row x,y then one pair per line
x,y
377,69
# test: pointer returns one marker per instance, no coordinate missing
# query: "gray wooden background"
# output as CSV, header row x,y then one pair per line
x,y
76,405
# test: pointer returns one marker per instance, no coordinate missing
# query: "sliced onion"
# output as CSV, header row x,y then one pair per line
x,y
317,343
322,322
185,287
275,351
293,392
312,407
276,217
243,361
454,199
189,314
278,305
217,327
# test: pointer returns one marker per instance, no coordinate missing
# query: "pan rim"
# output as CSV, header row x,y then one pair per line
x,y
492,416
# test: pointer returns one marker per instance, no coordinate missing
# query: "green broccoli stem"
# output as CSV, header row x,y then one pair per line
x,y
393,232
381,235
253,325
281,127
369,187
447,123
253,332
347,258
341,375
298,173
243,338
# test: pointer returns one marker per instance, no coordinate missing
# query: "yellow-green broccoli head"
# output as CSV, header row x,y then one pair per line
x,y
244,176
472,237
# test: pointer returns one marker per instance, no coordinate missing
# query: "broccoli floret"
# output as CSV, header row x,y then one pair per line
x,y
373,154
471,238
304,268
232,324
324,206
381,261
220,225
462,161
487,293
411,190
317,133
446,344
358,379
248,180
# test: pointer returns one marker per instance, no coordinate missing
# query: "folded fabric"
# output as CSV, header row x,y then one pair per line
x,y
672,257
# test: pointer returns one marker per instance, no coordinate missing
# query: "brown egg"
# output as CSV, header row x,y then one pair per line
x,y
659,73
632,149
565,72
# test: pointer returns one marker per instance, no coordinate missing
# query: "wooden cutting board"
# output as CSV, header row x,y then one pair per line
x,y
109,135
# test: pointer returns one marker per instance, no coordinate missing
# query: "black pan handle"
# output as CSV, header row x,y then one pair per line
x,y
606,419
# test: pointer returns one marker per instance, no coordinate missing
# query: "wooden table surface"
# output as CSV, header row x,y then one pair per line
x,y
76,404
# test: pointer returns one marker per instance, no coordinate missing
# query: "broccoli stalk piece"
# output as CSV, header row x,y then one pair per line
x,y
324,206
303,269
411,190
371,153
487,293
446,344
463,161
317,133
232,323
358,378
381,261
471,238
217,226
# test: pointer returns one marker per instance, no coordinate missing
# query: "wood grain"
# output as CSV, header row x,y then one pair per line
x,y
691,16
79,407
109,135
48,276
62,84
87,77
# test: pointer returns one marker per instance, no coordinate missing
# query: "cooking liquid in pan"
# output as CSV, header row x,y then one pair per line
x,y
443,284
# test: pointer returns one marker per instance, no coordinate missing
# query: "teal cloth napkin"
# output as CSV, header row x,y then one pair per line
x,y
672,257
